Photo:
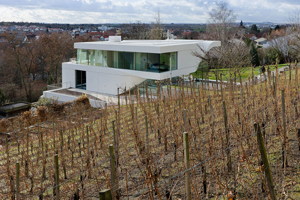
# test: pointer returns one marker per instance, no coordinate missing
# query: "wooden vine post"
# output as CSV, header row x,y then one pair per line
x,y
18,180
8,169
43,154
147,139
284,145
105,195
56,185
187,166
115,136
298,137
62,153
227,138
264,158
88,162
184,120
112,166
119,106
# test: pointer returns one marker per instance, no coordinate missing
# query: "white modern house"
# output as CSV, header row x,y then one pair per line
x,y
104,66
108,65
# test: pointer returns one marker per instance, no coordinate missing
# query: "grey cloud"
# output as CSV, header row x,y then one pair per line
x,y
189,11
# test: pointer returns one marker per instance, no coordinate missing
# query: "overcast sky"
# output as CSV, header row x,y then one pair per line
x,y
124,11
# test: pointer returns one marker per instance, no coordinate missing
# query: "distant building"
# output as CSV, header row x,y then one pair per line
x,y
241,30
250,36
13,28
260,42
54,30
119,31
96,35
104,28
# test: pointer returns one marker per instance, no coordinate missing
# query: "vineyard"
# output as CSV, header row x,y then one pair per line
x,y
186,142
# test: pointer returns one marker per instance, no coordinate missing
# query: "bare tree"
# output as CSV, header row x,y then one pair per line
x,y
233,54
294,20
278,47
156,32
53,49
29,64
22,57
294,36
221,23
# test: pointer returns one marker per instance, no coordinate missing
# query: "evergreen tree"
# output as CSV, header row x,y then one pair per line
x,y
270,31
254,55
254,28
247,41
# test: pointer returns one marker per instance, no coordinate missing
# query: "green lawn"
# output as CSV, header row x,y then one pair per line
x,y
225,72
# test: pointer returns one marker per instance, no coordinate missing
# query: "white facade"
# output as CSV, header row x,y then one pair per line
x,y
108,79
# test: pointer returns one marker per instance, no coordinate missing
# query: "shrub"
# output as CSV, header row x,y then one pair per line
x,y
83,101
57,108
27,117
273,55
43,101
42,113
3,125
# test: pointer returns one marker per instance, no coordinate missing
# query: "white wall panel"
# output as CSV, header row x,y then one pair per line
x,y
68,76
92,81
186,59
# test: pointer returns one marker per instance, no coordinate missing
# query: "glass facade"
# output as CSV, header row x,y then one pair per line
x,y
150,62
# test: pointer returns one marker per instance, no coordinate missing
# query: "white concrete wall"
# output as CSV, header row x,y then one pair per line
x,y
101,79
92,81
186,59
68,75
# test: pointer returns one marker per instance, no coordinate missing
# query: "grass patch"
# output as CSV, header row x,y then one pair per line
x,y
246,72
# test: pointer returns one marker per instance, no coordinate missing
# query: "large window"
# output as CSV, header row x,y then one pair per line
x,y
141,61
99,58
128,60
83,56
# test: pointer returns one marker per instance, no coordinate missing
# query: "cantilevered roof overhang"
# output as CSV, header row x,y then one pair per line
x,y
148,46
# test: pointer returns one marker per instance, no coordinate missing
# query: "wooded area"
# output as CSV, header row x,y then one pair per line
x,y
27,64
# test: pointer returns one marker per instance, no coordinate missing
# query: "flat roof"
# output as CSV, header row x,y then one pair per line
x,y
14,106
260,40
146,46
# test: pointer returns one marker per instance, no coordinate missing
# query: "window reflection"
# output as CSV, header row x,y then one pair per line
x,y
128,60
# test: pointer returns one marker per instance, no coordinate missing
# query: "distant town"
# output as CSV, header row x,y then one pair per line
x,y
101,32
